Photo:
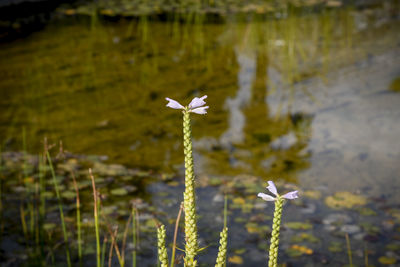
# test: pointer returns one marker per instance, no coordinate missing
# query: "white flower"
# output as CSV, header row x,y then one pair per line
x,y
272,188
195,106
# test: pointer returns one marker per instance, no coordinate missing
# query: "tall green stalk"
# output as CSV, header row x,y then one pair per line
x,y
349,250
134,235
42,204
78,218
189,201
276,225
65,234
96,220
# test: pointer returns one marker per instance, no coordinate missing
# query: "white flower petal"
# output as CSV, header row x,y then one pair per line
x,y
291,195
197,102
174,104
201,110
266,197
272,188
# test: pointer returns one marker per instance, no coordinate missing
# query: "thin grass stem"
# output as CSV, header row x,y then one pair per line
x,y
64,229
96,220
78,218
125,237
178,218
23,221
134,235
349,250
110,253
103,251
225,211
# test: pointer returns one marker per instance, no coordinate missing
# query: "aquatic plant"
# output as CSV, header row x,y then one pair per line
x,y
189,199
162,251
278,199
223,242
197,105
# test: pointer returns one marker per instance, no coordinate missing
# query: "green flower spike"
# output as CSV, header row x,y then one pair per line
x,y
162,251
223,241
276,222
189,201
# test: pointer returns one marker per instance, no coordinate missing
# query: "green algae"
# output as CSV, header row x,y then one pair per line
x,y
345,200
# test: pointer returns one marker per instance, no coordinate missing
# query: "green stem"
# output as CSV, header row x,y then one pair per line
x,y
189,201
178,218
60,208
103,251
349,250
78,218
96,220
134,226
273,249
42,207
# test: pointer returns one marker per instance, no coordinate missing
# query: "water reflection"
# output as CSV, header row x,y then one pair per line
x,y
100,86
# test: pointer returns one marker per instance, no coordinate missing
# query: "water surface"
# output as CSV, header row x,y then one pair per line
x,y
307,98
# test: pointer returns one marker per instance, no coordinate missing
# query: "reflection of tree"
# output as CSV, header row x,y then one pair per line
x,y
270,146
268,157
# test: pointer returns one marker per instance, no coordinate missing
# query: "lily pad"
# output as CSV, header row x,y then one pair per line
x,y
345,200
297,251
47,194
336,247
236,259
393,247
298,225
254,228
119,192
366,211
313,194
68,194
387,260
304,237
49,226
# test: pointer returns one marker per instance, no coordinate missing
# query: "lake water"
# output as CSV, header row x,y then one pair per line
x,y
309,99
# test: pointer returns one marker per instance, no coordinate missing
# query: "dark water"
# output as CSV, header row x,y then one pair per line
x,y
311,99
